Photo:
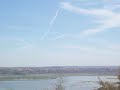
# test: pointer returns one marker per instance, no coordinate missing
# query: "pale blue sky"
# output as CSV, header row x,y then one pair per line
x,y
59,32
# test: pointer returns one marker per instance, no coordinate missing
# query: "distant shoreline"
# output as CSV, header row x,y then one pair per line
x,y
41,76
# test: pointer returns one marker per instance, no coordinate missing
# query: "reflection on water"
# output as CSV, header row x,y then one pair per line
x,y
71,83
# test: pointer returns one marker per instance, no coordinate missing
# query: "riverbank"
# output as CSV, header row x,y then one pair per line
x,y
41,76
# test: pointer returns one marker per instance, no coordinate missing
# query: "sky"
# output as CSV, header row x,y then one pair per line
x,y
59,33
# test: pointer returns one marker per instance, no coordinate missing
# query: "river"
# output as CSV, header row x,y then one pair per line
x,y
70,83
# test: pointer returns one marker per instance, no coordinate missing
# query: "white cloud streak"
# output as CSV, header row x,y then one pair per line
x,y
106,18
50,24
95,12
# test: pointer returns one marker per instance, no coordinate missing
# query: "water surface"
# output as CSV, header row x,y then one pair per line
x,y
71,83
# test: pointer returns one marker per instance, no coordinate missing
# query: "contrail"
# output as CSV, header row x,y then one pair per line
x,y
51,24
56,14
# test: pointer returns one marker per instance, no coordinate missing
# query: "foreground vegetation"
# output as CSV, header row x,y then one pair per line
x,y
109,86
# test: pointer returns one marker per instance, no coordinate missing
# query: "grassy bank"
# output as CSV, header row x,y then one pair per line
x,y
40,76
26,77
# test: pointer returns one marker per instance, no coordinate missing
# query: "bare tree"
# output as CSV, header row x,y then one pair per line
x,y
60,84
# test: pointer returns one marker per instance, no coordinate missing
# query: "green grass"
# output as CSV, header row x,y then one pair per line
x,y
39,76
27,77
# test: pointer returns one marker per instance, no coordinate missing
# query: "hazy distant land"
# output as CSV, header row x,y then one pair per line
x,y
25,73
